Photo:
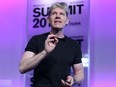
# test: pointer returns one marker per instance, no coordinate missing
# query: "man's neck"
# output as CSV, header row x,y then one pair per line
x,y
58,33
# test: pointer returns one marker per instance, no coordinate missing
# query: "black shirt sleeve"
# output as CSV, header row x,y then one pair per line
x,y
78,55
32,45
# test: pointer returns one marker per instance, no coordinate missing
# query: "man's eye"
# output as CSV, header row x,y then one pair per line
x,y
53,13
62,13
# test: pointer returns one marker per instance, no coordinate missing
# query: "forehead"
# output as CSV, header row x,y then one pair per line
x,y
58,9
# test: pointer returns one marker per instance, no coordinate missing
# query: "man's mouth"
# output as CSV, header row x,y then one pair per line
x,y
57,22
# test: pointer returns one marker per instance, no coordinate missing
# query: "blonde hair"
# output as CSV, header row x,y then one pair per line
x,y
61,5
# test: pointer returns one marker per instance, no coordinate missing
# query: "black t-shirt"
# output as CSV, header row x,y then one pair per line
x,y
56,65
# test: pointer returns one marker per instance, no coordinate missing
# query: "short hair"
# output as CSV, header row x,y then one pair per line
x,y
61,5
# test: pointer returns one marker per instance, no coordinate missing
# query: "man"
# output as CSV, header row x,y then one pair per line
x,y
52,54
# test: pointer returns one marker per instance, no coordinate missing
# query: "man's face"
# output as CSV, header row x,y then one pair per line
x,y
58,18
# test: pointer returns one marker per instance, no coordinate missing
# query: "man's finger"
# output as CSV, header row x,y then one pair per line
x,y
63,82
69,79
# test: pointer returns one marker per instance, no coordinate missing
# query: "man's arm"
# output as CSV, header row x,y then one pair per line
x,y
78,76
78,73
30,60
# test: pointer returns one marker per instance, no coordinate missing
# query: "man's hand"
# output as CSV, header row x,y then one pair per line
x,y
69,82
50,43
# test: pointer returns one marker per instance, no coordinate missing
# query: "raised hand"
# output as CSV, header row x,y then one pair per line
x,y
50,43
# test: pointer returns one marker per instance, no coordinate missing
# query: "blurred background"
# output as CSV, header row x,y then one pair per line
x,y
101,71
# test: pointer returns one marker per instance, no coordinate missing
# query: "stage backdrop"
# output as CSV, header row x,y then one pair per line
x,y
77,28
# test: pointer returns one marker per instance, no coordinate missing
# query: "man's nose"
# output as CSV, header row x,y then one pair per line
x,y
58,16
